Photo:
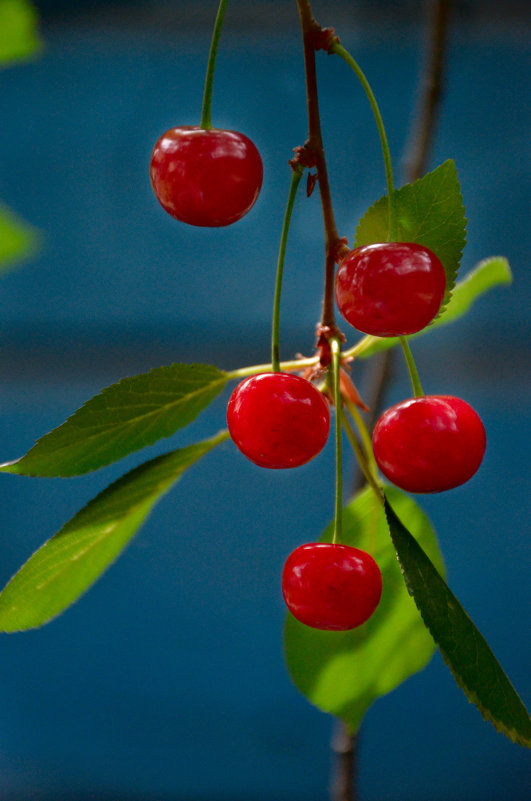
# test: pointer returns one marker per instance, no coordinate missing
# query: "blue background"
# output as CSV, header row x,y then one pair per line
x,y
167,679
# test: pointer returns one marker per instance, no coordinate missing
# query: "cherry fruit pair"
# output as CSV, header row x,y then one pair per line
x,y
207,177
281,420
425,444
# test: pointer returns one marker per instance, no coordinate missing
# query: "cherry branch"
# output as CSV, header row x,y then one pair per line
x,y
316,38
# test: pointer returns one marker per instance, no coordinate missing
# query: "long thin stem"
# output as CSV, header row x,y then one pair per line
x,y
315,146
358,452
345,55
206,122
275,332
364,436
335,346
412,367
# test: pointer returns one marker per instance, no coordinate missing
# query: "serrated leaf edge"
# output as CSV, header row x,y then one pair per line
x,y
470,695
5,466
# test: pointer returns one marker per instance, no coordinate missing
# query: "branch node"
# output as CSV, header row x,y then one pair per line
x,y
304,157
323,38
324,334
341,249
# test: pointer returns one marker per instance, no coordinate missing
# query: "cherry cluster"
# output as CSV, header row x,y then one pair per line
x,y
430,443
212,177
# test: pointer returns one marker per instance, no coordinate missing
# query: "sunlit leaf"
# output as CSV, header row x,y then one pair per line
x,y
19,37
345,672
123,418
66,566
465,651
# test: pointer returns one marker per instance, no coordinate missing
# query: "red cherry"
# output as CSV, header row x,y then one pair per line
x,y
390,289
429,444
278,420
333,587
205,177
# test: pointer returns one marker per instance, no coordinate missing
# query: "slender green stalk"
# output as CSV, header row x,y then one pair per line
x,y
412,367
361,345
206,122
345,55
360,456
300,364
364,436
335,346
275,333
285,367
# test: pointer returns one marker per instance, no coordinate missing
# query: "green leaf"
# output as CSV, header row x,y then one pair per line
x,y
17,239
465,651
489,273
430,212
19,38
121,419
66,566
344,672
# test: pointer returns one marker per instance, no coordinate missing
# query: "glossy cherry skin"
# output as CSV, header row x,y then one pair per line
x,y
429,444
332,587
390,289
205,177
278,420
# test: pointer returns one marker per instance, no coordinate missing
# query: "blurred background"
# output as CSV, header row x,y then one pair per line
x,y
167,681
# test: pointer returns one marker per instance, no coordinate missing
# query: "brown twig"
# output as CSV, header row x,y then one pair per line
x,y
345,747
431,91
316,38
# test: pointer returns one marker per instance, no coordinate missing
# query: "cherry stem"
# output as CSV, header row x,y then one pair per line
x,y
412,367
360,456
310,31
206,122
339,50
275,333
335,346
364,436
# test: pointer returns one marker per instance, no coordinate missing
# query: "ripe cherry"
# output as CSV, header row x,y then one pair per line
x,y
390,289
278,420
429,444
333,587
205,177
